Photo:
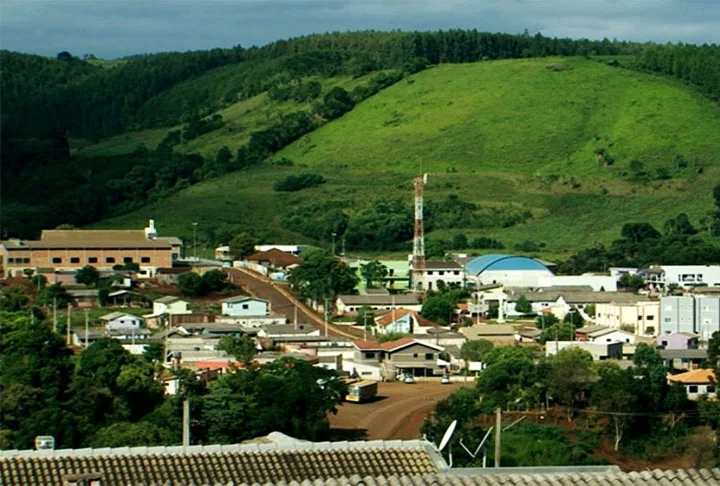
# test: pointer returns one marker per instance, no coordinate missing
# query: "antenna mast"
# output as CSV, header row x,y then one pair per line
x,y
418,259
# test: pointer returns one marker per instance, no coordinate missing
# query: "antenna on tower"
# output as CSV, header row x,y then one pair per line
x,y
418,258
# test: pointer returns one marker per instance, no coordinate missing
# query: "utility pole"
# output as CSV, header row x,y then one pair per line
x,y
69,325
55,314
87,325
326,316
186,424
295,319
194,241
333,244
498,430
365,316
343,246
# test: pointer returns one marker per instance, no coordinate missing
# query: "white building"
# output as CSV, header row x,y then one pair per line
x,y
692,314
607,335
351,304
121,320
697,383
644,317
450,273
244,306
509,270
599,351
170,305
599,283
294,249
684,276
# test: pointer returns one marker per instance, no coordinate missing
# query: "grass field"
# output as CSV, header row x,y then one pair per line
x,y
517,132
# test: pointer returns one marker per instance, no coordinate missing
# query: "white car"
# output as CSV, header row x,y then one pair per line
x,y
445,380
409,379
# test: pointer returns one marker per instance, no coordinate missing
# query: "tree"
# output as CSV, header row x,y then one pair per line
x,y
321,275
438,308
335,103
131,267
64,56
460,241
54,295
434,248
38,281
571,371
154,352
629,281
223,157
139,390
546,320
365,317
192,284
615,393
475,350
214,280
373,272
523,305
242,246
87,275
574,318
128,434
243,348
679,225
639,232
103,361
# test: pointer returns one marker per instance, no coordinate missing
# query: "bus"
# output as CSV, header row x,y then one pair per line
x,y
361,391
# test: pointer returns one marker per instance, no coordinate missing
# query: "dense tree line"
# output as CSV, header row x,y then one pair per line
x,y
111,398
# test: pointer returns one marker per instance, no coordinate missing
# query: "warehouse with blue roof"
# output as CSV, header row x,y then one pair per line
x,y
508,270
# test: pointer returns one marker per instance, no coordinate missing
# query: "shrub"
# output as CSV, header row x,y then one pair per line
x,y
295,183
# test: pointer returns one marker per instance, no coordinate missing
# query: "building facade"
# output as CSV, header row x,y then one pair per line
x,y
102,249
643,317
684,276
690,314
450,273
243,306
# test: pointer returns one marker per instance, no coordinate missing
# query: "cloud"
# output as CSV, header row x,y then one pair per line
x,y
113,28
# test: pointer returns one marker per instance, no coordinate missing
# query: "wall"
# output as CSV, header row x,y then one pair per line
x,y
514,278
699,390
245,308
597,282
124,322
432,277
641,316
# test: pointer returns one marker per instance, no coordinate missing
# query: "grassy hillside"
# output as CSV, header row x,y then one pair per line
x,y
517,133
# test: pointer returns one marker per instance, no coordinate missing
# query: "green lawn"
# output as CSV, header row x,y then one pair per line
x,y
516,132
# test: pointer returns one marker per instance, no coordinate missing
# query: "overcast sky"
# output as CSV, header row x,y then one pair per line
x,y
115,28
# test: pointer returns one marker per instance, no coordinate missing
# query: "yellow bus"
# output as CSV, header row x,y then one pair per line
x,y
361,391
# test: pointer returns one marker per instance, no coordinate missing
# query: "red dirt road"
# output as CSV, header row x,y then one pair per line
x,y
398,412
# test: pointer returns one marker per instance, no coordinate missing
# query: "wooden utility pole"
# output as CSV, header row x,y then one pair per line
x,y
498,430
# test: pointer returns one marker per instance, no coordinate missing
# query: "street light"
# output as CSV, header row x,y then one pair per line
x,y
194,241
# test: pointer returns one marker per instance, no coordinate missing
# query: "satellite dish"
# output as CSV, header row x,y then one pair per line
x,y
448,435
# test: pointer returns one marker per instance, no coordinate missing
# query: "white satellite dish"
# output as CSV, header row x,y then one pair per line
x,y
448,435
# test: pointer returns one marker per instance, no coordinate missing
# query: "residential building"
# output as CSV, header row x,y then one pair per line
x,y
450,273
133,339
403,321
599,334
397,278
170,305
287,330
84,298
169,276
599,351
598,283
102,249
275,258
509,270
643,317
244,306
293,249
684,276
497,333
698,383
678,340
403,356
351,304
691,314
683,359
121,320
560,302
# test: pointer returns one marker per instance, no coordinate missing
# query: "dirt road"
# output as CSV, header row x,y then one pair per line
x,y
283,302
398,412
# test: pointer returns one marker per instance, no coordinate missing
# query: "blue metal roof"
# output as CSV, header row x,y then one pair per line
x,y
496,261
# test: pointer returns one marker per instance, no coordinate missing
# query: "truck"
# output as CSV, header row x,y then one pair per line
x,y
361,391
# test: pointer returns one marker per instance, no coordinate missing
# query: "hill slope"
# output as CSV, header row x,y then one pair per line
x,y
519,136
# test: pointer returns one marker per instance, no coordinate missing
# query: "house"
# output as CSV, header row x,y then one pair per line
x,y
642,316
684,276
599,351
121,320
601,334
683,359
450,273
70,250
222,252
133,339
84,298
497,333
169,276
402,321
403,356
244,306
698,383
351,304
170,305
678,340
528,335
275,258
288,330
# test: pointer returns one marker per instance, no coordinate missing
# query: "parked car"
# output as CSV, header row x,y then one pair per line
x,y
409,379
445,380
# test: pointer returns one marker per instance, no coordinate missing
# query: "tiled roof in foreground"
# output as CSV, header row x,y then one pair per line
x,y
286,461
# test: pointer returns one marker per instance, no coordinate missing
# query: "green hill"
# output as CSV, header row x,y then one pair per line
x,y
528,142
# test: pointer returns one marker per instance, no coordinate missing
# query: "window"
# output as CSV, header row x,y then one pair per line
x,y
145,259
25,260
414,355
127,259
92,260
692,389
11,260
441,272
456,272
664,343
369,355
109,259
429,356
57,260
74,259
649,318
430,272
245,306
391,272
667,319
710,389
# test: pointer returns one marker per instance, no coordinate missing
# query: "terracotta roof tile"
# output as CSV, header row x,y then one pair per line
x,y
694,376
276,257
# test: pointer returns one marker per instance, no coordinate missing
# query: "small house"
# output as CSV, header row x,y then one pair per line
x,y
403,356
351,304
599,351
402,321
683,359
275,258
697,383
244,306
678,340
607,335
121,320
170,305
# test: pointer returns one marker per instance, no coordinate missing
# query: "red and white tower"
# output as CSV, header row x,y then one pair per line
x,y
418,258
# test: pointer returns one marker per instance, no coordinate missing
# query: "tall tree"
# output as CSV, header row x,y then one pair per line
x,y
373,272
571,372
322,275
242,246
615,395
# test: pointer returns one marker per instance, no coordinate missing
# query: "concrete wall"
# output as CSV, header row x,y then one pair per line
x,y
641,316
246,308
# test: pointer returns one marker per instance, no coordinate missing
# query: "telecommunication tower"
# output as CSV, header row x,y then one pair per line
x,y
418,259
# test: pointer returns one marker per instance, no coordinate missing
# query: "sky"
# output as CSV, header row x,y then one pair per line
x,y
116,28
